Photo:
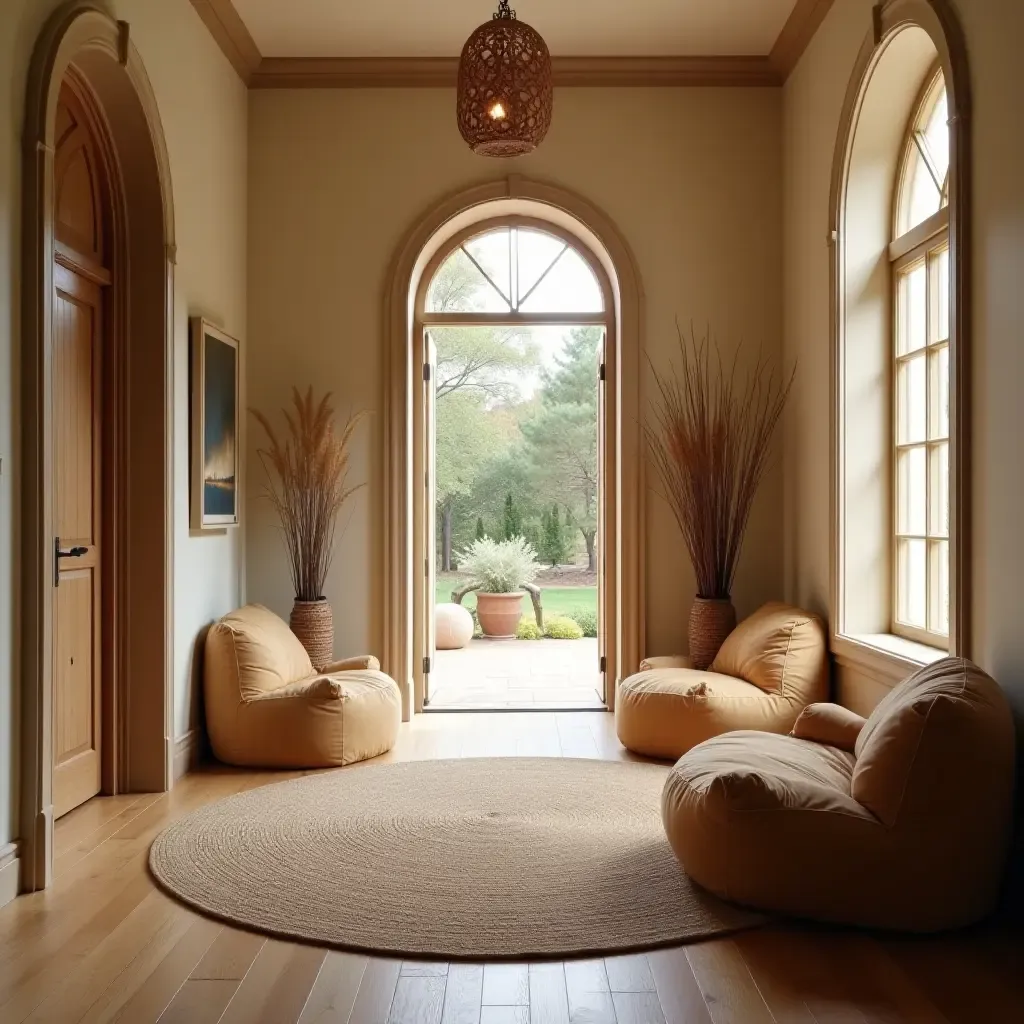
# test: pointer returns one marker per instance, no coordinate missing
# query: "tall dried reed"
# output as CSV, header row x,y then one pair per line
x,y
709,438
307,483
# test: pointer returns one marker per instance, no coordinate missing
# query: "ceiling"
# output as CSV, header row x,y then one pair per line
x,y
438,28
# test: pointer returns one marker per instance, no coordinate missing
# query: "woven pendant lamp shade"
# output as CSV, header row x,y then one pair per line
x,y
504,90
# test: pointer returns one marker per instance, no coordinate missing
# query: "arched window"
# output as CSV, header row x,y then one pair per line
x,y
921,374
900,275
510,270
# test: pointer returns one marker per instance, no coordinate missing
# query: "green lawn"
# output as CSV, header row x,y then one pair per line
x,y
556,600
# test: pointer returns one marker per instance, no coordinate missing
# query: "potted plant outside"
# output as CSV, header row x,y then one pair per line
x,y
709,439
499,570
307,483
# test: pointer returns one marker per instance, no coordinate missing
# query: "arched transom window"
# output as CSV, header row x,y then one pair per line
x,y
515,270
921,374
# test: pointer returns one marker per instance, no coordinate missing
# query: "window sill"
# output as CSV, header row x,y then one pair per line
x,y
889,659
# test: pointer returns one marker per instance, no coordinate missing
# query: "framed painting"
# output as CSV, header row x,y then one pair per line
x,y
215,497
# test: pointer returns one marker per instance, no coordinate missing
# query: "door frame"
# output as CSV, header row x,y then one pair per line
x,y
594,235
423,517
81,41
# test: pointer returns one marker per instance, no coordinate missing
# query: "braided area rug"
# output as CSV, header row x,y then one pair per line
x,y
478,858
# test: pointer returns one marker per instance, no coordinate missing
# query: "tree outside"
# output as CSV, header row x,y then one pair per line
x,y
516,435
516,443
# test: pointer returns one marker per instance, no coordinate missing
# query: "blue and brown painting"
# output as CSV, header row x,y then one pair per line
x,y
219,454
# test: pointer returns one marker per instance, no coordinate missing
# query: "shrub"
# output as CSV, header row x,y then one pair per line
x,y
528,629
499,567
560,627
586,619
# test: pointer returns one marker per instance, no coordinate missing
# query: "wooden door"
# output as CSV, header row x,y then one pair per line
x,y
80,278
430,503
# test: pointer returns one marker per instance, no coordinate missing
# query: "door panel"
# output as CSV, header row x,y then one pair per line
x,y
602,525
430,498
78,326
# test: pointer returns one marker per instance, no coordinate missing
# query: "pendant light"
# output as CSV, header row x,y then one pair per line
x,y
504,88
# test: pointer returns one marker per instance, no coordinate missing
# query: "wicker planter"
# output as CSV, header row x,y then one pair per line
x,y
711,621
313,623
499,614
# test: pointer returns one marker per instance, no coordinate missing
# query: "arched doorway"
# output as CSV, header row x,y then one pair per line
x,y
84,53
514,326
563,215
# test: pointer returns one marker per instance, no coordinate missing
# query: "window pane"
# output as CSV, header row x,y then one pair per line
x,y
537,251
492,252
912,583
940,326
569,287
912,491
938,392
912,400
925,197
938,598
913,311
938,499
936,134
459,287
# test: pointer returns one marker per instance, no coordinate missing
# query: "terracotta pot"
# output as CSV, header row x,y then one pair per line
x,y
313,623
499,614
711,621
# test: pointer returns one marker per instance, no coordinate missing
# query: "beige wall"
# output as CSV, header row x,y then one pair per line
x,y
692,179
813,99
203,107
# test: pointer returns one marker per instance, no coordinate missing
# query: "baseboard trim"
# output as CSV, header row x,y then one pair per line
x,y
9,869
186,754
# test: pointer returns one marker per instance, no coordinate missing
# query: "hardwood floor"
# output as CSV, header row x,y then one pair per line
x,y
103,944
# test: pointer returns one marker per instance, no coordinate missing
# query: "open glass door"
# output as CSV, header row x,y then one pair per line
x,y
602,517
429,507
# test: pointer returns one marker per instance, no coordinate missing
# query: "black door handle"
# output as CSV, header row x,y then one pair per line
x,y
59,553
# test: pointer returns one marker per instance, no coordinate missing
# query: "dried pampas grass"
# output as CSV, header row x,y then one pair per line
x,y
709,439
307,483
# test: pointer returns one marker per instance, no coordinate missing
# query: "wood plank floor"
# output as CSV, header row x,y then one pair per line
x,y
103,944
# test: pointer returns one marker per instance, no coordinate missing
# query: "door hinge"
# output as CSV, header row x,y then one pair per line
x,y
426,566
426,371
601,372
604,663
426,666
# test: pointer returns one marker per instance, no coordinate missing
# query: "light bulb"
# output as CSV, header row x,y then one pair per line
x,y
497,111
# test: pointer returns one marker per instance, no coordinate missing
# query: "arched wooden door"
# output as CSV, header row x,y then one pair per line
x,y
81,279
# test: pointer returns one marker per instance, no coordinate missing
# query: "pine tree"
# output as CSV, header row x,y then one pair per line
x,y
513,524
553,537
545,550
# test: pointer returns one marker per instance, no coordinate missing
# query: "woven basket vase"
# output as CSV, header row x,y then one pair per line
x,y
313,623
711,621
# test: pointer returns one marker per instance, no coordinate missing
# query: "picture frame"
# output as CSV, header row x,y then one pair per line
x,y
215,498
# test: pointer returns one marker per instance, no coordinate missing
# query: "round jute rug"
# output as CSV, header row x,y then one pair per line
x,y
467,859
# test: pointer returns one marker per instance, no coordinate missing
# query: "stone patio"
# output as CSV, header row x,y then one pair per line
x,y
518,674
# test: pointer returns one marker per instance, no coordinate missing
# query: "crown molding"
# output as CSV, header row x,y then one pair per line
x,y
258,72
231,35
796,35
441,72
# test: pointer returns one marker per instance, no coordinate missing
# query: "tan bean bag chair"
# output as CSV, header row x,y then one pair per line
x,y
769,669
901,821
266,707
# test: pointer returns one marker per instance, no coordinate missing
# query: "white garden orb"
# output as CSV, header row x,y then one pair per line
x,y
453,627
